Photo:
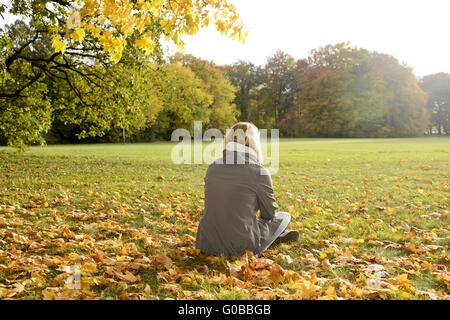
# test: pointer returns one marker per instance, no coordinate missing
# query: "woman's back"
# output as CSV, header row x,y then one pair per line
x,y
236,187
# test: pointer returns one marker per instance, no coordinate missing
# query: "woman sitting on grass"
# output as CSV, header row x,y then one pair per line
x,y
236,187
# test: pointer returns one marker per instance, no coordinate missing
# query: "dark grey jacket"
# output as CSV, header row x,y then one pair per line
x,y
234,193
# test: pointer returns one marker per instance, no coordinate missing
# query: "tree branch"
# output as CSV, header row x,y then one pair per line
x,y
61,2
16,94
75,90
15,55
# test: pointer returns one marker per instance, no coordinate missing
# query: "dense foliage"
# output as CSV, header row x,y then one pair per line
x,y
88,63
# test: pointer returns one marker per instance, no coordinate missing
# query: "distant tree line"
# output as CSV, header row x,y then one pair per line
x,y
437,87
337,91
341,91
173,95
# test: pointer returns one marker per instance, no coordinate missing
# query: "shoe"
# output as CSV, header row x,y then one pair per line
x,y
287,236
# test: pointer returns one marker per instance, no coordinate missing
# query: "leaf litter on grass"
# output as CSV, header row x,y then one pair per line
x,y
363,239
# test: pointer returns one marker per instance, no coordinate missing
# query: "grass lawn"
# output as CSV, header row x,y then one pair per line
x,y
372,216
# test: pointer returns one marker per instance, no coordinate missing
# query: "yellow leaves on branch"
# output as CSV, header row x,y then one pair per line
x,y
78,35
113,45
111,22
58,44
146,44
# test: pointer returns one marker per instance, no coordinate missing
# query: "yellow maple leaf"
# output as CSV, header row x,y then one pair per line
x,y
316,209
89,267
59,45
78,35
402,280
146,44
322,255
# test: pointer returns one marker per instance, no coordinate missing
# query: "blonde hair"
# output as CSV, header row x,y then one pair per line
x,y
247,134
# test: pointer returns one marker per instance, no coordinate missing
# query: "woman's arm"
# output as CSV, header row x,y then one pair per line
x,y
266,199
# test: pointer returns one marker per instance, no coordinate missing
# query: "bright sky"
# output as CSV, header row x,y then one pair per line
x,y
415,32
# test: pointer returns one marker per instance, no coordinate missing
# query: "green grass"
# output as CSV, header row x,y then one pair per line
x,y
132,201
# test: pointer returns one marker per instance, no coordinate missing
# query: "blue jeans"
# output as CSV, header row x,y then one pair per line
x,y
285,220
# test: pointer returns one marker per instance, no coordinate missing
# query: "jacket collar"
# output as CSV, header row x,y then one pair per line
x,y
236,153
234,146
